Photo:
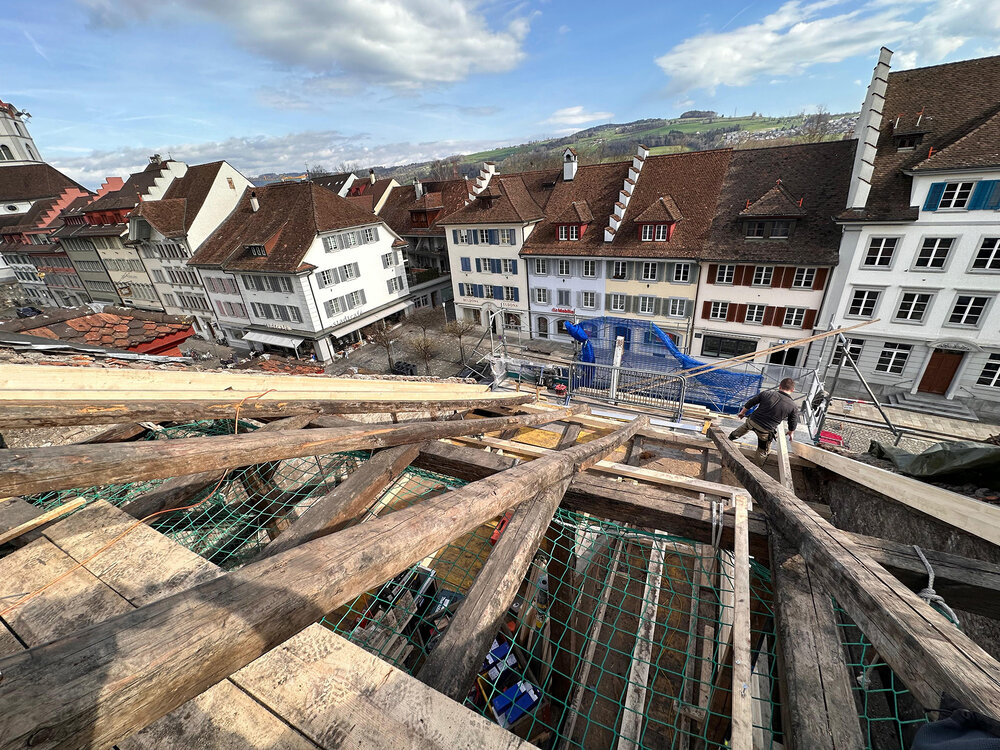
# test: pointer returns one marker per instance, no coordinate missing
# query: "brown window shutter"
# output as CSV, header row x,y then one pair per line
x,y
768,316
713,269
787,277
777,275
820,281
706,310
779,316
731,313
741,313
809,319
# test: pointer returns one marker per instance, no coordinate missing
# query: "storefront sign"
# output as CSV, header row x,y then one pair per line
x,y
566,310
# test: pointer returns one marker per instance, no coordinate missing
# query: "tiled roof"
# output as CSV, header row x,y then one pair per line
x,y
776,203
506,200
951,101
26,182
365,202
114,328
577,212
174,213
399,203
29,219
333,182
130,193
165,215
430,202
290,216
662,210
980,148
818,173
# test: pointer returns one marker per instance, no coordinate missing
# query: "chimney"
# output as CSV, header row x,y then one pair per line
x,y
418,189
569,164
254,203
371,176
867,133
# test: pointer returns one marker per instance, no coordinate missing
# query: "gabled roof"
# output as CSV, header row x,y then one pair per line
x,y
334,182
174,213
978,149
776,202
950,101
429,202
819,173
26,182
506,200
663,210
290,216
577,212
114,328
401,201
130,193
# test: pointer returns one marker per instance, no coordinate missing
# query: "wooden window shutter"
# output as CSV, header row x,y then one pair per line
x,y
741,313
809,319
713,269
819,281
779,316
743,275
657,306
787,277
768,316
934,196
706,310
731,312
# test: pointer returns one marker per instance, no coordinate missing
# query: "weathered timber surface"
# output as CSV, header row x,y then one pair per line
x,y
134,668
118,433
742,711
26,413
13,512
347,500
818,704
929,654
34,470
41,519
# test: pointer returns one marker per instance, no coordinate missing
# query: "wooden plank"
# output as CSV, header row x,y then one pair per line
x,y
13,512
33,470
741,737
116,434
47,517
634,708
173,649
339,695
570,433
817,701
347,500
451,668
971,516
929,654
784,467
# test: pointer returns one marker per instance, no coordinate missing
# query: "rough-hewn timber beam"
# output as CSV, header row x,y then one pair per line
x,y
99,685
929,653
32,470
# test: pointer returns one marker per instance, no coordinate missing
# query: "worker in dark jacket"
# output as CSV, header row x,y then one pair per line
x,y
772,408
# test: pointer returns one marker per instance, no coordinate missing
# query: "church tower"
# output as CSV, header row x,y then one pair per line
x,y
16,146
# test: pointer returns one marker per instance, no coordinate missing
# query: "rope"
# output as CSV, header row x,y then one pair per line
x,y
929,595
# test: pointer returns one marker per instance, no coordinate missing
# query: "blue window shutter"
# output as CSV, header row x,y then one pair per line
x,y
934,196
466,264
498,292
461,289
454,236
513,266
495,265
982,193
474,235
494,237
478,265
993,199
517,295
482,291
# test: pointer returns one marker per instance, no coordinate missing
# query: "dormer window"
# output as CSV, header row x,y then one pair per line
x,y
656,232
258,251
908,141
571,232
780,229
755,228
773,229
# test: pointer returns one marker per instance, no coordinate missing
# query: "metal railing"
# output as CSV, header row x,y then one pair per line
x,y
622,385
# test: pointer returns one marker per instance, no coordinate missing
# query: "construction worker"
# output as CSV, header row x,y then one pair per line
x,y
772,407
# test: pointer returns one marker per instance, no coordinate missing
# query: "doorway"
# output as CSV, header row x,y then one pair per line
x,y
543,327
789,357
940,371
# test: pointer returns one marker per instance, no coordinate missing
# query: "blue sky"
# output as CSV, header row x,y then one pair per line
x,y
277,85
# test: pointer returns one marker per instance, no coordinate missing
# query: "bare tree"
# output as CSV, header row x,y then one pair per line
x,y
384,335
424,349
426,319
460,329
816,125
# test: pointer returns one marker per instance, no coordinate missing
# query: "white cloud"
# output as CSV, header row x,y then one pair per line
x,y
576,116
799,35
564,29
255,155
397,43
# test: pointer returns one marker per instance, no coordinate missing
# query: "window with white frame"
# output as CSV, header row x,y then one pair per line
x,y
590,269
506,236
676,307
661,232
563,267
649,271
563,232
484,236
618,302
968,310
718,311
991,372
794,317
462,236
371,234
332,307
350,271
863,303
892,358
509,293
755,314
682,273
326,278
912,306
762,275
804,278
486,265
988,255
880,252
933,253
956,195
619,270
507,266
158,276
395,284
387,260
356,298
349,239
589,300
563,297
854,348
574,232
488,291
725,274
647,232
541,267
755,228
647,305
542,296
